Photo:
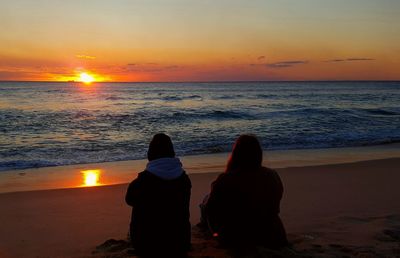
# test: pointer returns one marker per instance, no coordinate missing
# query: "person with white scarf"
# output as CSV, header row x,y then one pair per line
x,y
160,198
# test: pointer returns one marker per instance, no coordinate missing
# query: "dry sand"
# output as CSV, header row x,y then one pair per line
x,y
341,210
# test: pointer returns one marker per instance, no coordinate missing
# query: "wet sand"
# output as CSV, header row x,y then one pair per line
x,y
121,172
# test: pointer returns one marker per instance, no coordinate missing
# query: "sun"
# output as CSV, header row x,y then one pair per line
x,y
86,78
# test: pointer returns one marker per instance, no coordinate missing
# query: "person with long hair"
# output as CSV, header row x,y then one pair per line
x,y
160,198
242,209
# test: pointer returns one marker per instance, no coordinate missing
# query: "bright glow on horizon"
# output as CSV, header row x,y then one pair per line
x,y
91,177
86,78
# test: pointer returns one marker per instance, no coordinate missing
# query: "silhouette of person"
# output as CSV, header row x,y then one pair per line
x,y
242,209
160,197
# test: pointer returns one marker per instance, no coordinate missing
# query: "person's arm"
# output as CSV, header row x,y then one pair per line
x,y
132,192
189,190
279,190
214,206
188,238
280,185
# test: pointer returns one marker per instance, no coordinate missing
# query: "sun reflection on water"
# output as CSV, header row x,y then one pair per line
x,y
91,177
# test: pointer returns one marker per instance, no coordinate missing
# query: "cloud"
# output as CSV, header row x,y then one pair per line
x,y
260,58
349,60
149,67
143,64
34,73
172,67
286,64
283,64
85,57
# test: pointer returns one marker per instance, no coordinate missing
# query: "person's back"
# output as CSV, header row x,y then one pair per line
x,y
160,198
243,209
243,205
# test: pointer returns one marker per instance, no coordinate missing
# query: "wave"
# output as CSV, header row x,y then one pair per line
x,y
25,164
228,97
83,158
172,98
337,112
381,112
55,124
267,96
198,97
114,98
180,98
380,142
209,115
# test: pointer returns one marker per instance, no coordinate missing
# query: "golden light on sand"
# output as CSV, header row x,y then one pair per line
x,y
91,177
86,78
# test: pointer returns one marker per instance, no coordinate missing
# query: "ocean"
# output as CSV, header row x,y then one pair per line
x,y
52,124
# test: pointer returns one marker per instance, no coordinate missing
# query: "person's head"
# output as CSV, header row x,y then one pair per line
x,y
246,154
160,147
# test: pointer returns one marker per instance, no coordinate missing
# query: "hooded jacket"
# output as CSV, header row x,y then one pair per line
x,y
160,198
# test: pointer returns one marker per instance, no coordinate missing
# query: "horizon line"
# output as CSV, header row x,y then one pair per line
x,y
216,81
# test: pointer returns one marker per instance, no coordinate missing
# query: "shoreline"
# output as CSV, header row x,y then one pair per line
x,y
334,210
120,172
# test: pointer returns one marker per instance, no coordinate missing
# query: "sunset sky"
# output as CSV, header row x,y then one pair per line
x,y
207,40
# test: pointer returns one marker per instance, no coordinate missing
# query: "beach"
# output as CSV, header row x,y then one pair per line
x,y
347,209
92,93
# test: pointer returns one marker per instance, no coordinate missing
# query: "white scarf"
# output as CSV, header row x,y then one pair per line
x,y
165,168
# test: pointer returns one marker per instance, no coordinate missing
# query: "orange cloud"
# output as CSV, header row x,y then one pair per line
x,y
85,57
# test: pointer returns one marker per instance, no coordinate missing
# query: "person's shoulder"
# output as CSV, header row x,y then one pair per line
x,y
140,177
188,182
271,174
268,170
185,177
143,174
222,179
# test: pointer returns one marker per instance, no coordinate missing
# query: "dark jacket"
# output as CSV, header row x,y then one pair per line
x,y
160,214
243,209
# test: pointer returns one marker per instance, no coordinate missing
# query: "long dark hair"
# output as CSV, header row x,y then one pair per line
x,y
246,154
